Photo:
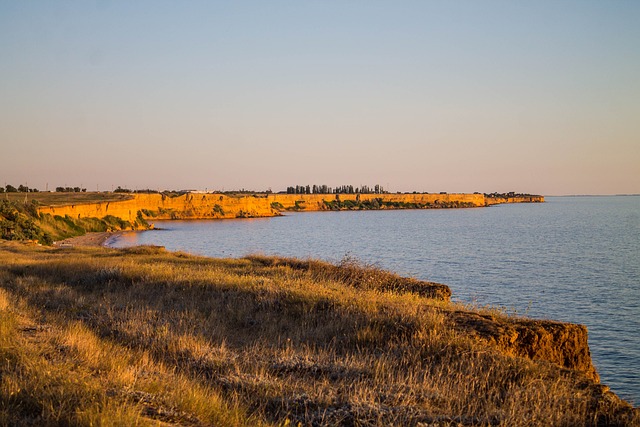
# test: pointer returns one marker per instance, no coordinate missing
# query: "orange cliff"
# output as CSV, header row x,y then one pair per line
x,y
495,200
209,206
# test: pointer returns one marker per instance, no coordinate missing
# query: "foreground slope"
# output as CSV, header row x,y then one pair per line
x,y
141,336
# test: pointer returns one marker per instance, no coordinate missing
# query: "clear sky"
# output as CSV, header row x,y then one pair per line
x,y
458,96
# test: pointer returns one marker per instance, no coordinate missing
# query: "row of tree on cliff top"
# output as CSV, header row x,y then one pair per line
x,y
344,189
20,189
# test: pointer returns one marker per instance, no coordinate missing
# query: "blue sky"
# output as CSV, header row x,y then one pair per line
x,y
463,96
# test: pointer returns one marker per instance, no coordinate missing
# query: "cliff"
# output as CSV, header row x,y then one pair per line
x,y
204,206
496,200
160,206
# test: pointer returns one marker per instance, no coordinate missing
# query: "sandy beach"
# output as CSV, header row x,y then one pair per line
x,y
89,239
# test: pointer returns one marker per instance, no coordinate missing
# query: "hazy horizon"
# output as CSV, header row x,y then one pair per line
x,y
540,97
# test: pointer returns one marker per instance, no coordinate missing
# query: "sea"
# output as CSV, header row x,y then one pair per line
x,y
574,259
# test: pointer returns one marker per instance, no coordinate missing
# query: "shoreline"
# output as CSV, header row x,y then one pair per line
x,y
91,239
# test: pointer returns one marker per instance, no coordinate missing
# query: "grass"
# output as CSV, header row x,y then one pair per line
x,y
143,336
63,199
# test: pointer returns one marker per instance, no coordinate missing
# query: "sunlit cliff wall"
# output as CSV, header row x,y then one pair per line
x,y
316,202
160,206
201,206
520,199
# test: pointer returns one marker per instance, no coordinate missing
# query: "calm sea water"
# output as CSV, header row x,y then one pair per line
x,y
574,259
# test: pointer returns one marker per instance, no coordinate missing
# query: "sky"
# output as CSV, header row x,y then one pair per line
x,y
539,97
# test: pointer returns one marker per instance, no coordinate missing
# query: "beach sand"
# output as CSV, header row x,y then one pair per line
x,y
89,239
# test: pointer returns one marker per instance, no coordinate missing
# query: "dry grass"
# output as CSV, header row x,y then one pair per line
x,y
143,336
63,199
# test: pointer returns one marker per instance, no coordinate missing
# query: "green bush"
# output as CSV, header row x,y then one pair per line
x,y
18,222
217,209
149,213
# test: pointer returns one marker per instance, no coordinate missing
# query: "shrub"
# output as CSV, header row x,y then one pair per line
x,y
217,209
18,222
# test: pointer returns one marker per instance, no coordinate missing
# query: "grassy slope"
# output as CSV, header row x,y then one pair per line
x,y
139,336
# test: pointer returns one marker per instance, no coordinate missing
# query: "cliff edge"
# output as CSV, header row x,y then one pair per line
x,y
218,206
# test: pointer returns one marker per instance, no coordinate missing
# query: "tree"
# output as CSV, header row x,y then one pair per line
x,y
11,189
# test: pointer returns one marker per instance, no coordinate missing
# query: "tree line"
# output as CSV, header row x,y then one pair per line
x,y
343,189
20,189
24,189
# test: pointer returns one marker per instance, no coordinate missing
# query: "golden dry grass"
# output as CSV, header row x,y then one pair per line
x,y
142,336
63,199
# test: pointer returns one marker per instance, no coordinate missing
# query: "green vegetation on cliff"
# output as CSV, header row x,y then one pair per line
x,y
19,221
22,221
380,203
93,336
341,189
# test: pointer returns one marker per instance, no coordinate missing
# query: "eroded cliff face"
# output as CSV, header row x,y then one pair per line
x,y
159,206
318,202
564,344
203,206
519,199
